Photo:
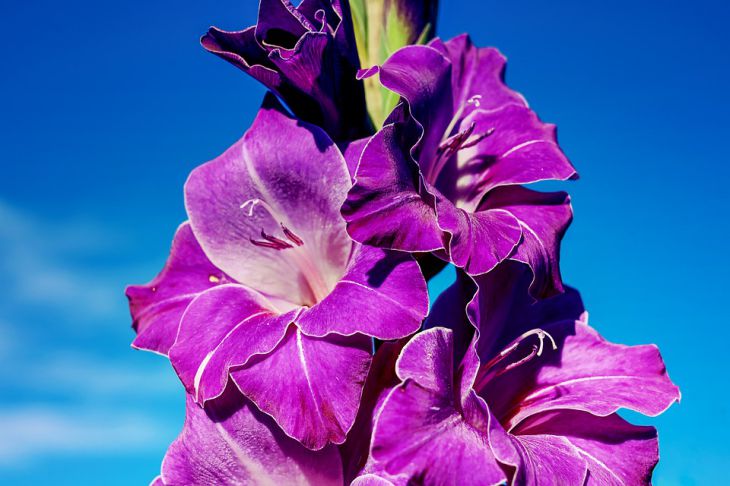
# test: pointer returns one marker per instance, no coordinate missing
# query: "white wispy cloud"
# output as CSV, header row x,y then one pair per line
x,y
40,264
33,432
70,396
100,378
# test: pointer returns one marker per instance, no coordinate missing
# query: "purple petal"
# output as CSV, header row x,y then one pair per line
x,y
477,71
221,328
586,373
422,76
390,293
352,152
371,479
420,424
157,307
503,308
544,219
517,148
261,187
307,56
233,443
241,49
312,386
539,459
385,197
479,241
616,452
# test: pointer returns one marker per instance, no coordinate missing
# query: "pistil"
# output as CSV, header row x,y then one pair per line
x,y
491,369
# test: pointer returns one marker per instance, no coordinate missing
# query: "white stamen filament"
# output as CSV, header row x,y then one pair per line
x,y
490,370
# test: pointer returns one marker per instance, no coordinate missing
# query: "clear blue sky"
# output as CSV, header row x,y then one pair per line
x,y
106,107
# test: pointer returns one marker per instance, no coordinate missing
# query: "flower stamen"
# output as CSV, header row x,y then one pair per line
x,y
490,370
291,236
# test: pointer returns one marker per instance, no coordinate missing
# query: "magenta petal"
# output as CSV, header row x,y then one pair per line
x,y
232,443
421,434
420,425
312,386
158,306
305,54
544,219
477,71
591,374
389,292
385,198
540,459
223,327
370,479
519,150
352,152
616,452
479,241
261,185
422,76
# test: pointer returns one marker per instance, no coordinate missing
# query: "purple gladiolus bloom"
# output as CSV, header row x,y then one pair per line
x,y
307,56
533,401
231,442
265,282
444,174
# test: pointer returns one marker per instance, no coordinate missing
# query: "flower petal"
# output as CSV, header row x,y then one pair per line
x,y
385,198
307,56
312,386
352,152
536,459
616,452
223,327
503,308
586,373
231,443
479,241
300,184
422,76
389,292
477,71
519,149
419,424
544,218
158,306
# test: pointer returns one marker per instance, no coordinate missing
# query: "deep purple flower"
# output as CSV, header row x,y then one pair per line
x,y
534,402
272,285
445,172
307,56
231,442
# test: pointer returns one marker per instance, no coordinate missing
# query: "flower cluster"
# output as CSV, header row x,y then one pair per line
x,y
294,304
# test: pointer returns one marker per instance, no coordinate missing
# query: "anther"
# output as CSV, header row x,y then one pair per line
x,y
275,240
477,139
291,236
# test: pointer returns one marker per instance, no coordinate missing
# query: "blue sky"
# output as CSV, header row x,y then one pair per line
x,y
107,107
